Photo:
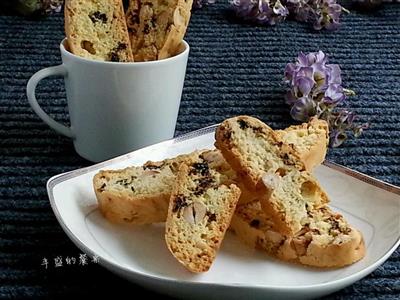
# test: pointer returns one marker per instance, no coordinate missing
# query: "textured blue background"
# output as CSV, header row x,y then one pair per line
x,y
233,69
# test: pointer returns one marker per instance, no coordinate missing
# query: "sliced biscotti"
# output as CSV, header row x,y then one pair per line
x,y
140,195
326,239
252,148
137,195
120,199
310,140
200,210
272,169
97,30
157,27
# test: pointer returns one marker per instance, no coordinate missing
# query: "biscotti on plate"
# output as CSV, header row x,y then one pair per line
x,y
137,195
156,28
121,200
310,140
257,182
325,240
140,195
271,168
97,30
200,210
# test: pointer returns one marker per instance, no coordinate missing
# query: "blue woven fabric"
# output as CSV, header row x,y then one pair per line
x,y
234,68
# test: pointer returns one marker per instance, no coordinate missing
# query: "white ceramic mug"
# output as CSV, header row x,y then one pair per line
x,y
116,107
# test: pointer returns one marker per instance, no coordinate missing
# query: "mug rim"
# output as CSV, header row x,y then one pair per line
x,y
67,53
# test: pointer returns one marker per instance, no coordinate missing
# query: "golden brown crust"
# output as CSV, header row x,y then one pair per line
x,y
125,208
311,247
133,210
97,30
310,140
137,195
315,156
156,28
335,255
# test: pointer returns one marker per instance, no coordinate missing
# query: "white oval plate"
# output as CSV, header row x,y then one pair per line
x,y
139,253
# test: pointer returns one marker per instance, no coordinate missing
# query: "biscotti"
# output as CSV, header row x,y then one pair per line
x,y
325,240
200,210
310,140
121,201
272,169
97,30
156,28
140,195
137,195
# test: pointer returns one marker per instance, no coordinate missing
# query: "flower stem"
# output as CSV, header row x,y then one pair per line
x,y
345,10
349,92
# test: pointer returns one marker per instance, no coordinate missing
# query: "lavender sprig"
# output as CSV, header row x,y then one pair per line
x,y
316,90
267,12
321,13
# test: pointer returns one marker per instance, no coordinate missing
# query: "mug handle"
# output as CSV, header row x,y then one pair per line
x,y
59,70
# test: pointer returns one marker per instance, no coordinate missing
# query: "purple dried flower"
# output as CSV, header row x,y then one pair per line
x,y
299,9
260,11
304,85
321,13
326,14
313,65
303,109
334,74
342,121
334,94
316,90
279,9
336,138
311,76
200,3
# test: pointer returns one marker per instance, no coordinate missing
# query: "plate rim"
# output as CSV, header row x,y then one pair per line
x,y
57,179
